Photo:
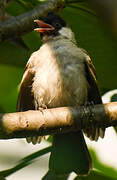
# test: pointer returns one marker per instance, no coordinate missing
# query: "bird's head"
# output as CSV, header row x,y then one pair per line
x,y
52,26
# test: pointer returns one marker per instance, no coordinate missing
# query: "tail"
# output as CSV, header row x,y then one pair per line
x,y
70,154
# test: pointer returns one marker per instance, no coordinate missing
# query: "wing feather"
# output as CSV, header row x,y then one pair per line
x,y
94,97
25,99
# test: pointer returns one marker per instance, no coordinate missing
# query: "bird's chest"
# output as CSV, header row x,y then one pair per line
x,y
59,81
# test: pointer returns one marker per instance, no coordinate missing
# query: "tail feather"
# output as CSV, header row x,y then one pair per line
x,y
94,132
70,154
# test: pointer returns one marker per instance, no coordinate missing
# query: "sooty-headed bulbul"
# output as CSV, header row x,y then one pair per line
x,y
61,74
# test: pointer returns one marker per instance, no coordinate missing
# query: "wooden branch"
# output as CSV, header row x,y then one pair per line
x,y
56,120
22,24
2,9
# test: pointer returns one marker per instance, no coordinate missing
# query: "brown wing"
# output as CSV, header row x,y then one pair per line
x,y
93,97
25,99
93,91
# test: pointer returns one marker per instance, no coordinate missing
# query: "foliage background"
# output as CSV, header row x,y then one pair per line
x,y
91,34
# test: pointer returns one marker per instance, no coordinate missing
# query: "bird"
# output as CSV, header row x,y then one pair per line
x,y
59,74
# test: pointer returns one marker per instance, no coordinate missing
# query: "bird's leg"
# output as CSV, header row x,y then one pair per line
x,y
40,106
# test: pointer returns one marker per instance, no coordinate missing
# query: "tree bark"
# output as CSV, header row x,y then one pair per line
x,y
24,23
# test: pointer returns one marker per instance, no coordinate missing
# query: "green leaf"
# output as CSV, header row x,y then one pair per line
x,y
100,166
14,8
25,161
95,175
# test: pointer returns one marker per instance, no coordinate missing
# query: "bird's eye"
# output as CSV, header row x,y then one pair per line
x,y
57,25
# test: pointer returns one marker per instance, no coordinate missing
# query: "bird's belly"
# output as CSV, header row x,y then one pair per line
x,y
55,86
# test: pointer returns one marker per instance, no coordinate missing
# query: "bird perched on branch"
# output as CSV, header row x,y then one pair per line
x,y
61,74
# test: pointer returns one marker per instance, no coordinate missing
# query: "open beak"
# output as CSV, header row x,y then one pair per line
x,y
43,27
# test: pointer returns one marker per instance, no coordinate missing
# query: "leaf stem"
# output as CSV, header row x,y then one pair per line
x,y
25,161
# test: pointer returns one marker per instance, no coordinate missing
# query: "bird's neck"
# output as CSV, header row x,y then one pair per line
x,y
64,33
